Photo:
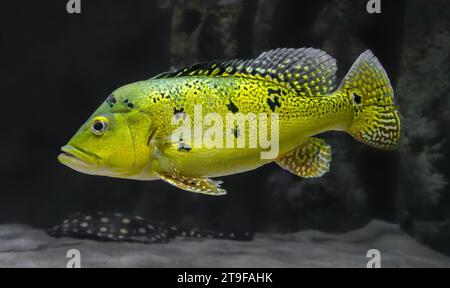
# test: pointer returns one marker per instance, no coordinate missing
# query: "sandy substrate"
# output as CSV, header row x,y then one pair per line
x,y
22,246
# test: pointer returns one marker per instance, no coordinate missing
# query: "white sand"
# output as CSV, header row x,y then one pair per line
x,y
22,246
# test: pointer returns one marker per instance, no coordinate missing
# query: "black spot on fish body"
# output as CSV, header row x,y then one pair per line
x,y
273,104
177,111
184,147
111,100
128,103
356,98
232,107
271,91
163,95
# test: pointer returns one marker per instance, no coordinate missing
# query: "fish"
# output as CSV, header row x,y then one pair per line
x,y
118,227
133,133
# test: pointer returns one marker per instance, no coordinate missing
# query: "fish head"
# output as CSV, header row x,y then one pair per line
x,y
113,142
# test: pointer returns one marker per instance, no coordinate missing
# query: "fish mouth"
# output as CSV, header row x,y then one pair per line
x,y
77,158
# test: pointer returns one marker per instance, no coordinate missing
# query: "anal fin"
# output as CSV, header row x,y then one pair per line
x,y
197,185
310,159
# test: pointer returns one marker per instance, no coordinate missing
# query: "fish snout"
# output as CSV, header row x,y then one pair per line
x,y
75,157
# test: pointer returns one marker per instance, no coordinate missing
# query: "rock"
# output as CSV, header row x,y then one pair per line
x,y
207,30
424,110
432,234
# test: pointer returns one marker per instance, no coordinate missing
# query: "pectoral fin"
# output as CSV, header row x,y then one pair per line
x,y
196,185
310,159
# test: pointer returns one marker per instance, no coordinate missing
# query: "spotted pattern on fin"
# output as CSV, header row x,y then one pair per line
x,y
309,71
310,159
376,119
197,185
126,228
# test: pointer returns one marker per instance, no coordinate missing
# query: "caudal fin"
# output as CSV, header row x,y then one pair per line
x,y
376,121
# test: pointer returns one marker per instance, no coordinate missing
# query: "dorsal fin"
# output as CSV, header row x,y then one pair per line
x,y
309,71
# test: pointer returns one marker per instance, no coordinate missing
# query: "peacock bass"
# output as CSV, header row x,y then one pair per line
x,y
131,134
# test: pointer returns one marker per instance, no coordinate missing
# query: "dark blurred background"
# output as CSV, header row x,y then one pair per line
x,y
57,68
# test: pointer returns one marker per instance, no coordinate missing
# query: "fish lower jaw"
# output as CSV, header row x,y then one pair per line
x,y
90,169
77,159
77,164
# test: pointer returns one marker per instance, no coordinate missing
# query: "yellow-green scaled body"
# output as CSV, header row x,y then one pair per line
x,y
131,133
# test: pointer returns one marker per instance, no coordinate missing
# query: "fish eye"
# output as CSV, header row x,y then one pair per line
x,y
99,126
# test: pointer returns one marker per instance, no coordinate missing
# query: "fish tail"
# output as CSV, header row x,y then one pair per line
x,y
376,121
